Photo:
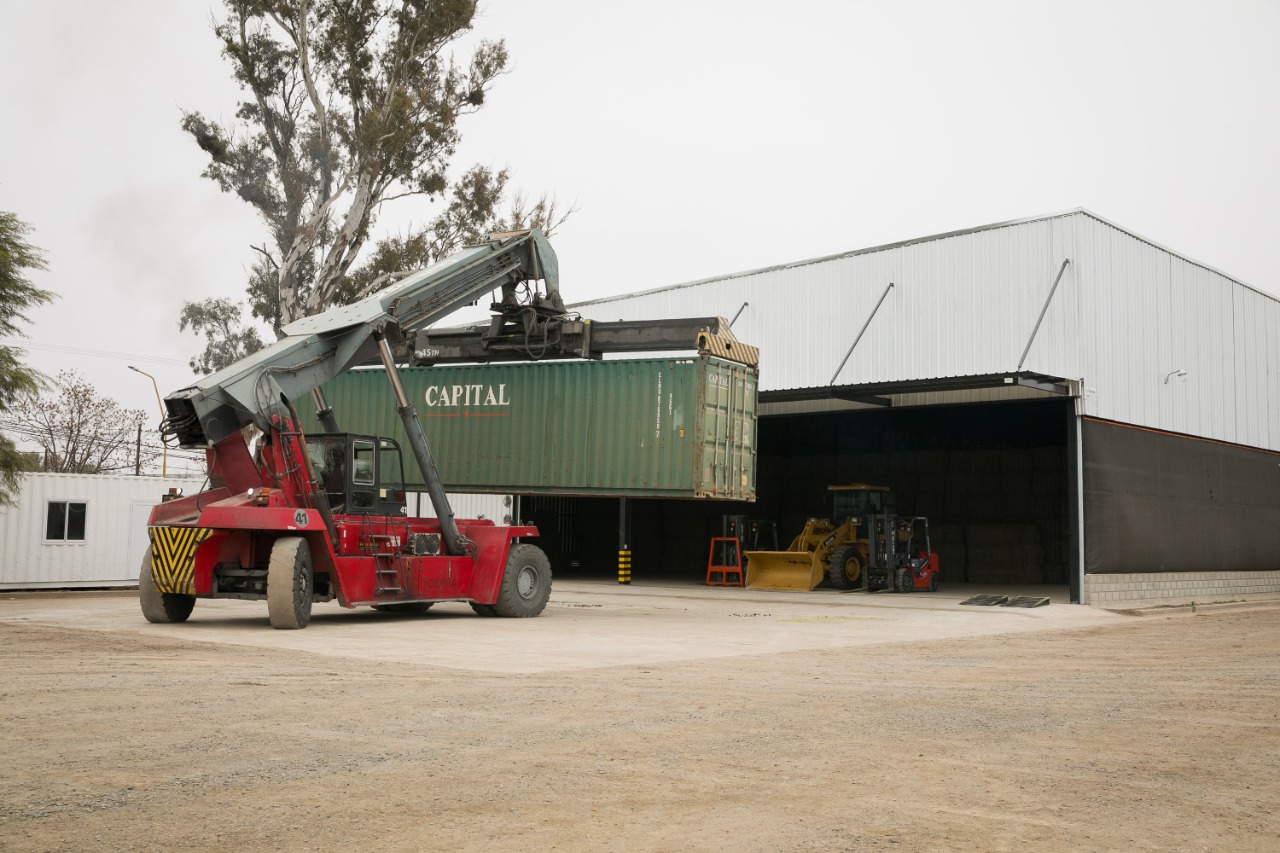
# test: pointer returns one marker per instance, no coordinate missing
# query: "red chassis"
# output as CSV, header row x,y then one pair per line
x,y
921,572
242,533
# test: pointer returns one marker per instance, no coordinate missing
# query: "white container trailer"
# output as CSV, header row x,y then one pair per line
x,y
79,530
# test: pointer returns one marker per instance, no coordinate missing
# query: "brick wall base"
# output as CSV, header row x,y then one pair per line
x,y
1143,589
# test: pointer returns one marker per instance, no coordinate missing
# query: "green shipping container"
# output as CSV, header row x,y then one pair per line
x,y
657,427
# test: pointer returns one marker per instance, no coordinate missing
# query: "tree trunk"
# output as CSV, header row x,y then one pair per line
x,y
339,258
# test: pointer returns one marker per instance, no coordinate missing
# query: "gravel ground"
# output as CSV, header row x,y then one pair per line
x,y
1151,733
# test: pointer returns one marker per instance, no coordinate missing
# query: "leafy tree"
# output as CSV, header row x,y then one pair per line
x,y
226,342
17,295
351,104
78,431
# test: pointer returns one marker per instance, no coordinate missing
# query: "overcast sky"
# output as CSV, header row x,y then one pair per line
x,y
696,138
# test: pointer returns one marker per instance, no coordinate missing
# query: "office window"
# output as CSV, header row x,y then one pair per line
x,y
64,521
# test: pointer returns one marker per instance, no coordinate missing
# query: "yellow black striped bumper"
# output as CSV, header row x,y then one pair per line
x,y
173,557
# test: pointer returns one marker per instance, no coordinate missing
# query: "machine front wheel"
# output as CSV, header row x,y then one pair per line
x,y
904,580
526,582
290,583
157,606
844,570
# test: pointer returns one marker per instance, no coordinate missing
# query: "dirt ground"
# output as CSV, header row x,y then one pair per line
x,y
1043,732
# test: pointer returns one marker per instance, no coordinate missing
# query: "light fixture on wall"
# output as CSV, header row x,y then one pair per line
x,y
1173,373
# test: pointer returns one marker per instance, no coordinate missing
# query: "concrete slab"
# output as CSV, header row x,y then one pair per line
x,y
586,625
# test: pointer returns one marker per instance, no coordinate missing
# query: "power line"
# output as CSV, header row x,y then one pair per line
x,y
21,344
149,439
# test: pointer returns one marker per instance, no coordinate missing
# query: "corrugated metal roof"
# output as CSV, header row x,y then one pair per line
x,y
915,241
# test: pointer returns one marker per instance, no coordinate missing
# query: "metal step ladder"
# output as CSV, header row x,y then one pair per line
x,y
388,573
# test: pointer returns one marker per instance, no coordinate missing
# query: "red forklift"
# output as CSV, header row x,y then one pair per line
x,y
899,554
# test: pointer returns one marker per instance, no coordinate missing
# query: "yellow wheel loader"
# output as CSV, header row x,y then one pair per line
x,y
832,549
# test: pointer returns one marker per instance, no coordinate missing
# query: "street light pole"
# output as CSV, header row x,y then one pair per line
x,y
164,463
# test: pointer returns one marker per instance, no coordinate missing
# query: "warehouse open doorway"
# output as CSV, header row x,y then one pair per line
x,y
996,481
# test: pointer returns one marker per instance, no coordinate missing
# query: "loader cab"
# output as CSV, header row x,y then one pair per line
x,y
858,501
361,474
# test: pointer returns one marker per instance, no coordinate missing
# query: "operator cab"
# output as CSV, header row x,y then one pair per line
x,y
361,474
858,501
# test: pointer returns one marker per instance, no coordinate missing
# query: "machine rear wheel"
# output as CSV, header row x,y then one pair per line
x,y
933,582
904,580
157,606
483,609
526,582
844,570
289,583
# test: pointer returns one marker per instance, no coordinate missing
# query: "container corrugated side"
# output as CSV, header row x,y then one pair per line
x,y
660,427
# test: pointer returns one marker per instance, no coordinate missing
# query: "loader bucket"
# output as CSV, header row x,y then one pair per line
x,y
797,570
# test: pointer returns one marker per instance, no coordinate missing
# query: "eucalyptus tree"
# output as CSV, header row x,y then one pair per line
x,y
17,296
349,105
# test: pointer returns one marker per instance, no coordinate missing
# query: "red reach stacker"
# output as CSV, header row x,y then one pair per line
x,y
296,519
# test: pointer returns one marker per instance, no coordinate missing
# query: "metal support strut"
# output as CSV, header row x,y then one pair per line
x,y
324,412
861,332
1043,311
454,541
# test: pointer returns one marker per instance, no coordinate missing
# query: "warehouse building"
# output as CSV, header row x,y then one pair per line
x,y
1068,403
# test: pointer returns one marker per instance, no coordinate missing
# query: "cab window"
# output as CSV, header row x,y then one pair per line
x,y
363,461
362,471
390,470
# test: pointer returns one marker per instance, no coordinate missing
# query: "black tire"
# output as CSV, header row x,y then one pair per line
x,y
844,569
904,580
526,583
933,582
483,609
290,583
405,607
160,607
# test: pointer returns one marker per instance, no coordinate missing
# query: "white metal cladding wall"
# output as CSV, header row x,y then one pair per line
x,y
961,305
115,530
1126,315
1149,314
1257,365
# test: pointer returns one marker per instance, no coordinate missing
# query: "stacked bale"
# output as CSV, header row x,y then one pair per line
x,y
1049,500
948,543
1004,553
